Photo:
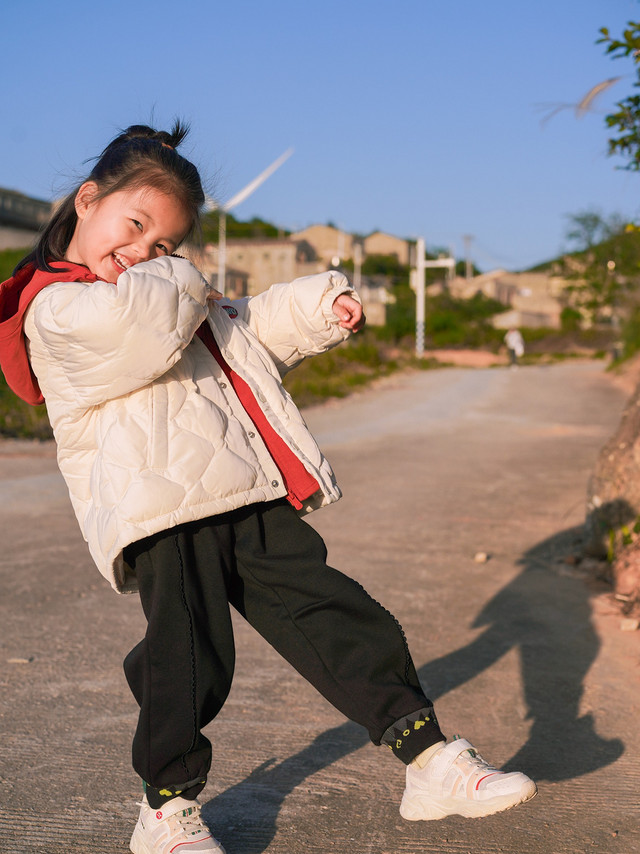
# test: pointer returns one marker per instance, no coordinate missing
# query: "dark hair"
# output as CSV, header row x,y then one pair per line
x,y
139,157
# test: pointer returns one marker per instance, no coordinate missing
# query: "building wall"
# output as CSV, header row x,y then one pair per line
x,y
21,218
375,298
265,262
328,242
20,211
535,298
380,243
516,319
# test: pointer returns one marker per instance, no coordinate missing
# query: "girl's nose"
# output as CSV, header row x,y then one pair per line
x,y
145,250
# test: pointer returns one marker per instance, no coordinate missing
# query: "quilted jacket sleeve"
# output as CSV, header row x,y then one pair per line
x,y
296,320
110,339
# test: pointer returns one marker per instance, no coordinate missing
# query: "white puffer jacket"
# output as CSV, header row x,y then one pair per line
x,y
150,433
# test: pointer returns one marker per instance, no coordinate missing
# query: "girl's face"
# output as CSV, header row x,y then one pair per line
x,y
124,228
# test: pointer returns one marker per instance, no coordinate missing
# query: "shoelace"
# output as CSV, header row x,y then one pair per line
x,y
191,818
475,759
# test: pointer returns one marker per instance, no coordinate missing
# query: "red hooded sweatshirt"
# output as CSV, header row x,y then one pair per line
x,y
15,295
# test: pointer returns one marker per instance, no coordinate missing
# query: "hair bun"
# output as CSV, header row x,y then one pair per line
x,y
175,136
171,139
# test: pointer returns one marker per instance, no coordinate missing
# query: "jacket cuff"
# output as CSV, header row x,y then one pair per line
x,y
339,284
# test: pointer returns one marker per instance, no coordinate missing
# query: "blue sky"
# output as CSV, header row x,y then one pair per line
x,y
419,117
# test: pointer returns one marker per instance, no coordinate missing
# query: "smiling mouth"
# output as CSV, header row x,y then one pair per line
x,y
121,262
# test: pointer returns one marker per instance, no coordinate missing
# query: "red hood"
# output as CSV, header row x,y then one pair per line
x,y
15,295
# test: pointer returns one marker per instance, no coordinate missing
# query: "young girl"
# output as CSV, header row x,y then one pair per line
x,y
189,468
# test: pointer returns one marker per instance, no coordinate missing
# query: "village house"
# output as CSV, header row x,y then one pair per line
x,y
262,262
380,243
254,264
531,299
21,218
331,245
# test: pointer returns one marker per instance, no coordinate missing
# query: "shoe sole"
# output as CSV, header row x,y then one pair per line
x,y
422,809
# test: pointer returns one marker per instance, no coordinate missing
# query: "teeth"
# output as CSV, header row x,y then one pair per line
x,y
121,261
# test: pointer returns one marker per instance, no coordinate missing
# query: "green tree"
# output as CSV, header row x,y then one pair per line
x,y
461,269
587,228
253,229
624,123
385,265
604,267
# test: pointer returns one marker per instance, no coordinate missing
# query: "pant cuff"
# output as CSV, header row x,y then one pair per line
x,y
157,797
412,734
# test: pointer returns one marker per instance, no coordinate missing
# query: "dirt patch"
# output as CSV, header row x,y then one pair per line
x,y
627,375
467,358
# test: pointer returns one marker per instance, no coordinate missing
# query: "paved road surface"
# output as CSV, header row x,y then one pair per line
x,y
521,654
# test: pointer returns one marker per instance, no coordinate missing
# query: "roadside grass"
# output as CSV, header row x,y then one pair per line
x,y
18,420
363,359
353,365
545,346
9,258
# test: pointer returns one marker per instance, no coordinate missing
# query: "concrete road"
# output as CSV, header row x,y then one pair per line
x,y
522,654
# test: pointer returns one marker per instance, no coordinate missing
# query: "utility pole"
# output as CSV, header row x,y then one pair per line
x,y
417,276
357,265
467,238
420,287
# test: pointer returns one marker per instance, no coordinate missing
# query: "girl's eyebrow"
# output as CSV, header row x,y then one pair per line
x,y
142,212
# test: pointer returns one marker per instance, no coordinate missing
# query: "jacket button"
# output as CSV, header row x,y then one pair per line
x,y
223,385
251,435
229,357
274,483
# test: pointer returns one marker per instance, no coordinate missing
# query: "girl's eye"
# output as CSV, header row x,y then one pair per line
x,y
137,224
163,248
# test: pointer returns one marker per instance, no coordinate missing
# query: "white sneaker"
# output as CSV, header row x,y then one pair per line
x,y
457,781
178,823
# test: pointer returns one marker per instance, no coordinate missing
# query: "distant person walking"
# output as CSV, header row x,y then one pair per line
x,y
515,345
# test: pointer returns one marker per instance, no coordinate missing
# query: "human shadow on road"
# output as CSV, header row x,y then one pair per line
x,y
545,614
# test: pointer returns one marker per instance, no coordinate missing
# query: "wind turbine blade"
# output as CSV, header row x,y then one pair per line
x,y
262,177
585,103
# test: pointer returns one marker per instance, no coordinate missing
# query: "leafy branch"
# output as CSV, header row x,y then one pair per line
x,y
625,121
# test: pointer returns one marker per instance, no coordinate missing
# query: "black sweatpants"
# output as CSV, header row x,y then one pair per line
x,y
271,566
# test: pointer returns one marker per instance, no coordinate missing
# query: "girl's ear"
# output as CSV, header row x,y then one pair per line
x,y
84,197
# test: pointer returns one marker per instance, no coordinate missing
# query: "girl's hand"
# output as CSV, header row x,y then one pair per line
x,y
213,295
349,311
